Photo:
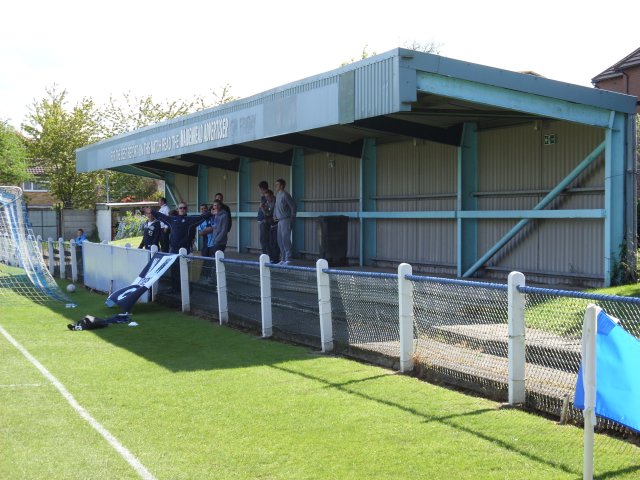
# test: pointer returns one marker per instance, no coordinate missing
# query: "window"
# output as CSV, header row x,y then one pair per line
x,y
36,186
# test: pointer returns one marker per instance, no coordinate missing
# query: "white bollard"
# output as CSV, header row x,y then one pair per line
x,y
74,261
52,260
405,311
516,348
154,287
265,297
221,280
184,280
589,334
62,258
324,305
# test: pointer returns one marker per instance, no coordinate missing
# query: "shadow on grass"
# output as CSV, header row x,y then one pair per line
x,y
176,341
446,419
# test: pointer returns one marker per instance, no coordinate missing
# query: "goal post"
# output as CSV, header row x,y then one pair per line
x,y
23,272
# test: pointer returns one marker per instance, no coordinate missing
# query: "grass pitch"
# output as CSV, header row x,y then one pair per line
x,y
193,400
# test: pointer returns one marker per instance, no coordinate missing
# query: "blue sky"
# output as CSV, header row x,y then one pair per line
x,y
172,49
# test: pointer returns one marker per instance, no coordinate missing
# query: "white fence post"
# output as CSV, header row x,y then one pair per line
x,y
589,334
405,311
516,349
62,258
184,280
221,280
265,296
324,305
74,260
154,287
52,260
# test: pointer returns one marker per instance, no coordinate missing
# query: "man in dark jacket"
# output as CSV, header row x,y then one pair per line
x,y
181,227
224,207
152,232
182,233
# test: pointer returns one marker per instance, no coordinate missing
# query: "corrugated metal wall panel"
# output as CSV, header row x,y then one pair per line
x,y
420,241
418,176
225,182
374,89
516,160
509,159
573,144
332,184
185,190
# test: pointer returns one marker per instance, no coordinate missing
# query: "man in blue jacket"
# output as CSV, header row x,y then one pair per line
x,y
181,226
181,236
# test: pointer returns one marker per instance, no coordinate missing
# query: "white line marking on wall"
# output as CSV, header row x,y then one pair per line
x,y
113,441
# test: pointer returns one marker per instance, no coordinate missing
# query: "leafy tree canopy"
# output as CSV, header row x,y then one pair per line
x,y
54,133
13,156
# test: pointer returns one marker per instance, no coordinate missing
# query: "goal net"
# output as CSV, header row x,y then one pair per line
x,y
23,273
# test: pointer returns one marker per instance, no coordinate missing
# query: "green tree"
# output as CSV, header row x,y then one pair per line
x,y
54,133
121,115
13,156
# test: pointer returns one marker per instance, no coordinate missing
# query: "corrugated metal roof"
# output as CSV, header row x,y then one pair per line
x,y
615,70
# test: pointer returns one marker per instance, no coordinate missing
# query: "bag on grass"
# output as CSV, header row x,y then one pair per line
x,y
89,322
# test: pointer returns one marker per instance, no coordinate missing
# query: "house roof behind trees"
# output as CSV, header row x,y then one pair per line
x,y
615,70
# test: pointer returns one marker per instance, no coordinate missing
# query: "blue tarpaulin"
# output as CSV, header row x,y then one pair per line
x,y
617,374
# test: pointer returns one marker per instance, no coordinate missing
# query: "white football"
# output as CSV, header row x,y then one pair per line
x,y
71,288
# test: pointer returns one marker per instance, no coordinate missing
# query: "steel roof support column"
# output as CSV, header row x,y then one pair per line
x,y
170,188
297,192
614,196
244,195
202,194
467,231
368,188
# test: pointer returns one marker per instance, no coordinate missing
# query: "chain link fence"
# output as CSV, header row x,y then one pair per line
x,y
364,308
460,331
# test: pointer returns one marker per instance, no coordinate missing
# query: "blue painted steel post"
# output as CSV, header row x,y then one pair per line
x,y
202,194
614,194
244,195
170,188
368,189
467,232
297,192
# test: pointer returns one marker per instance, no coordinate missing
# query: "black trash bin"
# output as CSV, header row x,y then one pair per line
x,y
332,239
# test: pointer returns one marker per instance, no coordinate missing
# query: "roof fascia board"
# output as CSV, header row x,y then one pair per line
x,y
526,83
512,99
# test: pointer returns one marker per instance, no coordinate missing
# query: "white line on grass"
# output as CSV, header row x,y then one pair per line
x,y
20,385
113,441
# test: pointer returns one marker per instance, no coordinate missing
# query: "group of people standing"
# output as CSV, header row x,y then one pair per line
x,y
275,217
171,231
